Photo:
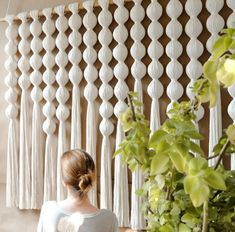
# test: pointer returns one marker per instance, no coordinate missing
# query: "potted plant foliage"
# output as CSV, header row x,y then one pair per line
x,y
181,192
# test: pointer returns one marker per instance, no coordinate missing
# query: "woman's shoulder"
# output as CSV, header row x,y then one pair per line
x,y
49,205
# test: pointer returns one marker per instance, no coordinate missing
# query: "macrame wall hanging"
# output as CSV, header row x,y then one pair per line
x,y
70,69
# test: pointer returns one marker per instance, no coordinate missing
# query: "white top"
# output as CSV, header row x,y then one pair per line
x,y
54,219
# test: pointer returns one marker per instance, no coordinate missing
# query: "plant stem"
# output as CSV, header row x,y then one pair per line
x,y
205,217
222,153
132,107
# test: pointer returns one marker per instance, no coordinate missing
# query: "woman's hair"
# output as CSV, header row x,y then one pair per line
x,y
78,170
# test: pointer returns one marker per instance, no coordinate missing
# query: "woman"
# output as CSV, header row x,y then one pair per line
x,y
76,213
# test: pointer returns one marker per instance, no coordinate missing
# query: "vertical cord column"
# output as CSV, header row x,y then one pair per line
x,y
12,175
120,34
173,50
138,71
75,75
194,49
36,95
62,94
231,89
49,125
25,125
155,68
215,24
106,108
90,91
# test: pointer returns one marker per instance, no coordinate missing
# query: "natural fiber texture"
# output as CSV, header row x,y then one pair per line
x,y
25,125
12,112
138,71
62,94
106,108
90,91
49,126
231,90
120,34
75,75
36,95
215,24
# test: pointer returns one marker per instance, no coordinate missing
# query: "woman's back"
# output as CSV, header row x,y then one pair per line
x,y
54,219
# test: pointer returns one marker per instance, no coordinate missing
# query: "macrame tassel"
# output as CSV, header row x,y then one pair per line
x,y
90,91
49,125
50,169
62,147
91,142
37,160
62,94
11,96
105,175
121,200
75,75
12,187
25,125
155,68
174,49
36,95
215,24
121,71
231,89
194,50
76,134
138,70
106,108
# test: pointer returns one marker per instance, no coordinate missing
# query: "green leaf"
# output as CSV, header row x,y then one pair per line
x,y
189,219
178,161
184,228
191,183
214,179
201,195
157,136
231,133
196,149
159,164
221,46
196,165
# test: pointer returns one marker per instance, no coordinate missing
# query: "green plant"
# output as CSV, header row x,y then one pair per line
x,y
182,193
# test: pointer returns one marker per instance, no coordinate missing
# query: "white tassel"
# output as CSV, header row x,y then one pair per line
x,y
25,143
50,169
49,126
231,89
121,200
120,34
215,24
138,70
155,68
174,49
62,94
12,178
106,108
75,75
90,91
36,95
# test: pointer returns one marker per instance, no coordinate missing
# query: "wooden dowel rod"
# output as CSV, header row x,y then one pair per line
x,y
40,14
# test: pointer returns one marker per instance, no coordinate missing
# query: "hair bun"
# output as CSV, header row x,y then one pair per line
x,y
85,182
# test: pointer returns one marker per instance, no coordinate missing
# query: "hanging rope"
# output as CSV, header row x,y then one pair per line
x,y
36,95
120,34
215,24
106,108
49,126
62,94
25,125
75,75
12,177
90,91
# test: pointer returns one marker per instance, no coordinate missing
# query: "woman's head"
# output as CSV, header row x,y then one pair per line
x,y
78,170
